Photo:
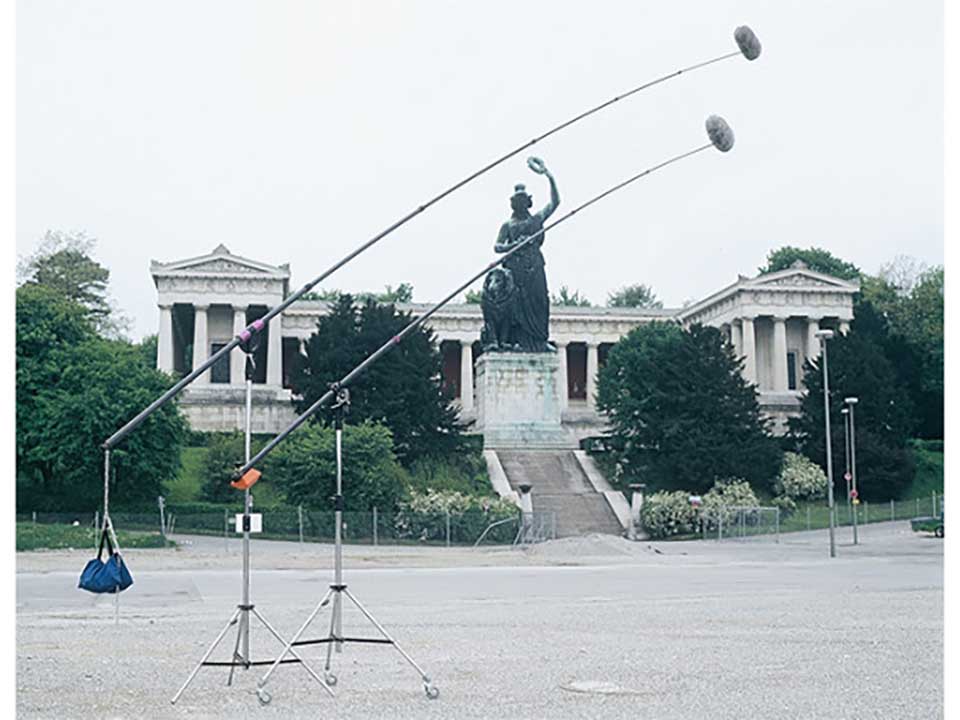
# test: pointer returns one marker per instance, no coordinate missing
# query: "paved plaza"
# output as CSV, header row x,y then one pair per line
x,y
592,627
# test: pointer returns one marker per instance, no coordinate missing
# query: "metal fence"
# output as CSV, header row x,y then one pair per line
x,y
729,522
814,516
372,527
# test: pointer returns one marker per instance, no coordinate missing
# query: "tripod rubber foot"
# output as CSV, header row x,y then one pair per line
x,y
263,697
432,692
330,679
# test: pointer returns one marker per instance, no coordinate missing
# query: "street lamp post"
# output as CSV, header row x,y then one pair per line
x,y
825,335
851,402
846,454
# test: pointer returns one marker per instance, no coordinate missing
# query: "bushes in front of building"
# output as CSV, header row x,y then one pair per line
x,y
800,479
669,513
424,515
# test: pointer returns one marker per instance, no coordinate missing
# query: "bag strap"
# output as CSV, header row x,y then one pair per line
x,y
105,537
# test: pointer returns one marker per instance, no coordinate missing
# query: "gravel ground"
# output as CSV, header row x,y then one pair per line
x,y
574,628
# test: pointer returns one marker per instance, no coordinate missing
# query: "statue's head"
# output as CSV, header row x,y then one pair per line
x,y
520,200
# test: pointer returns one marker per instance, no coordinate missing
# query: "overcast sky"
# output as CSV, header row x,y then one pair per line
x,y
294,131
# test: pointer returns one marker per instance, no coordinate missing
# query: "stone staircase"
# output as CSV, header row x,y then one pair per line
x,y
560,486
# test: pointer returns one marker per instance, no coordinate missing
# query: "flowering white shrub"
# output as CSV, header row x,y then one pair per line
x,y
423,515
719,501
787,505
668,513
800,478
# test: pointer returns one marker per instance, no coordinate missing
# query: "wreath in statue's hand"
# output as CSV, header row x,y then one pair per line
x,y
536,164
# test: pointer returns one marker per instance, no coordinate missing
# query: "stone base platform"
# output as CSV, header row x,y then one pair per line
x,y
518,401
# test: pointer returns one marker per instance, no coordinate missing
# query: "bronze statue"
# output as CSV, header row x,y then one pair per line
x,y
515,301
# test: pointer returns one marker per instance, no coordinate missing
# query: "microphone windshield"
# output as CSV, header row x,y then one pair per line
x,y
748,42
721,135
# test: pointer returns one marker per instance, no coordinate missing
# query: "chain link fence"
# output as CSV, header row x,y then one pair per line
x,y
814,516
729,522
298,524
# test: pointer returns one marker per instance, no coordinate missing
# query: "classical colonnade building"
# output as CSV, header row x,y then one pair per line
x,y
771,320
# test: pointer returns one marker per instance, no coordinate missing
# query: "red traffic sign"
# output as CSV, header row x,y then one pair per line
x,y
853,493
848,477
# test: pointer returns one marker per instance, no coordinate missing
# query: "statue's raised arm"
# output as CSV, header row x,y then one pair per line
x,y
538,166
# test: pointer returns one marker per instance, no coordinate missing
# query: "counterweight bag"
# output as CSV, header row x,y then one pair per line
x,y
108,576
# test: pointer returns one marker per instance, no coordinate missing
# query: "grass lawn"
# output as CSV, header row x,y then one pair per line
x,y
929,474
50,536
186,486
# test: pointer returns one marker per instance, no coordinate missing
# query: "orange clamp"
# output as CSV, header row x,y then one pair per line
x,y
247,480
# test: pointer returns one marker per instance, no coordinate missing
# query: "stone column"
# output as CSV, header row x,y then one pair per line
x,y
813,342
844,327
593,363
736,335
466,375
779,354
563,385
749,351
200,350
275,353
165,340
237,356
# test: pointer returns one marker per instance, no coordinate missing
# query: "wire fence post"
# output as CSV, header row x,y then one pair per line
x,y
375,529
808,517
917,501
448,528
893,511
34,516
163,522
300,522
933,495
226,523
778,525
866,512
719,526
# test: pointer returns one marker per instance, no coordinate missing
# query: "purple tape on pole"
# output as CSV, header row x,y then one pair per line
x,y
245,335
258,324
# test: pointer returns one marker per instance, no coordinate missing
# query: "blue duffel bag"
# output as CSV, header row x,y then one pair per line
x,y
108,576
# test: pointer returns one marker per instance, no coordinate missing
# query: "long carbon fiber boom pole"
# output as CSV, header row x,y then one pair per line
x,y
397,339
258,325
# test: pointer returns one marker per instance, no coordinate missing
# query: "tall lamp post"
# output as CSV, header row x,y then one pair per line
x,y
851,402
846,455
825,335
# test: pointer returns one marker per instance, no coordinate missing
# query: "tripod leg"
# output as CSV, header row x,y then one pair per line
x,y
289,645
329,676
206,655
293,652
432,692
236,654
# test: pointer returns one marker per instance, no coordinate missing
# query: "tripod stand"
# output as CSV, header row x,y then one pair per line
x,y
338,589
241,616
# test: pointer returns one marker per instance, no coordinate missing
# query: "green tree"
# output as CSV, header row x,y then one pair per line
x,y
402,293
566,297
74,390
639,295
681,415
473,297
858,367
402,390
225,451
63,262
817,259
304,467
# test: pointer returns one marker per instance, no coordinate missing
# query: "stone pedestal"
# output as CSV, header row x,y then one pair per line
x,y
518,401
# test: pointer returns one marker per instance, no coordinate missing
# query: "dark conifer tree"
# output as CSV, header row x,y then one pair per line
x,y
681,414
402,390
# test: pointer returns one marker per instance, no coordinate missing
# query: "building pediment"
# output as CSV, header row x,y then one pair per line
x,y
800,277
220,262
